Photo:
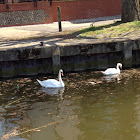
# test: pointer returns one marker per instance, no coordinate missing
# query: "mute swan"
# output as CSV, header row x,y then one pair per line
x,y
111,71
52,83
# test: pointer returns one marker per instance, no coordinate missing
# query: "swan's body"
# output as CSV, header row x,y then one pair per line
x,y
52,83
112,71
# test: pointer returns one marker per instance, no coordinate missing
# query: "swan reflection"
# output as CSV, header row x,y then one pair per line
x,y
53,91
111,78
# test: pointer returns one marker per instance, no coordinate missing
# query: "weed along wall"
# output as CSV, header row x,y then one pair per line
x,y
69,56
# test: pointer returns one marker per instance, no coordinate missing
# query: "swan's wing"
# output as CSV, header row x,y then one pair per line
x,y
50,83
110,71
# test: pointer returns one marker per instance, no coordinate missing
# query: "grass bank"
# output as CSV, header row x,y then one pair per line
x,y
117,29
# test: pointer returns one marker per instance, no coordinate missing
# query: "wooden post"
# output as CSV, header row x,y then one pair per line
x,y
59,19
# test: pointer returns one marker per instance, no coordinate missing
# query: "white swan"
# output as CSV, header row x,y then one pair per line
x,y
52,83
112,71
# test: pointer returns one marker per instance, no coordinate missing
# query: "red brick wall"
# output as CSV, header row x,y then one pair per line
x,y
70,9
86,9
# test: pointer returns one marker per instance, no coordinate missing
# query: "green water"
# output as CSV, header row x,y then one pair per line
x,y
91,107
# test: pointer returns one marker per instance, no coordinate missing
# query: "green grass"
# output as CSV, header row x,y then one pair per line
x,y
116,29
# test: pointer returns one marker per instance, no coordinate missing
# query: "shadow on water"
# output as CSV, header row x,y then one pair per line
x,y
93,107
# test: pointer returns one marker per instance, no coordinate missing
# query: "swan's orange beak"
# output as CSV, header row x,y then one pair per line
x,y
62,73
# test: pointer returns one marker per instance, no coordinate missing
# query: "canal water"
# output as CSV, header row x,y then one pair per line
x,y
90,107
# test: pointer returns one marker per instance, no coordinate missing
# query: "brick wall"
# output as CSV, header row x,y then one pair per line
x,y
27,13
86,9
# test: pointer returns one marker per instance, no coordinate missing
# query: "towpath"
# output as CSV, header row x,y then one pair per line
x,y
29,35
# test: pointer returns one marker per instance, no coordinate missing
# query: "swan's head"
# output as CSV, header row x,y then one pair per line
x,y
119,65
61,72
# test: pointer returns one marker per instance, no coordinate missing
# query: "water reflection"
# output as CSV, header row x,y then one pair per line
x,y
53,91
105,111
54,110
137,116
111,78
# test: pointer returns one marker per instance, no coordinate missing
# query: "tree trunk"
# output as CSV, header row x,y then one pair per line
x,y
130,10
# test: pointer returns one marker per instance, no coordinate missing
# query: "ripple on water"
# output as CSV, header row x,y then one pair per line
x,y
102,107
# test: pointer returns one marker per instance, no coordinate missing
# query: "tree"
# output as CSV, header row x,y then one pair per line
x,y
130,10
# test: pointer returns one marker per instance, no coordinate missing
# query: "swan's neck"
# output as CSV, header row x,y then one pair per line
x,y
118,67
60,79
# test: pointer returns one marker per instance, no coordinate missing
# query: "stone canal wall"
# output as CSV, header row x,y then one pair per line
x,y
84,55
